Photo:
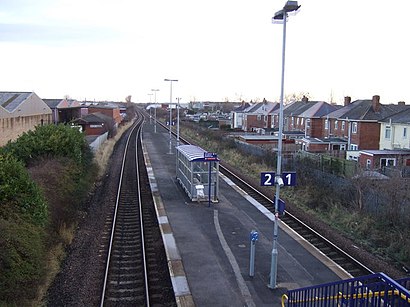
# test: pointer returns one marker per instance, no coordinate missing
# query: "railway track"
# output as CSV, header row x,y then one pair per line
x,y
136,272
349,263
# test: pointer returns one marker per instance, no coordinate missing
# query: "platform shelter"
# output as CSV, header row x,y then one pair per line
x,y
198,172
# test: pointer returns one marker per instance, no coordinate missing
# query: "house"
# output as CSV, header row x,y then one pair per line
x,y
358,123
303,119
95,124
395,130
62,109
110,109
257,117
378,159
21,112
237,115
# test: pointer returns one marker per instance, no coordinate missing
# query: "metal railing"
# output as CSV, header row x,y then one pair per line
x,y
371,290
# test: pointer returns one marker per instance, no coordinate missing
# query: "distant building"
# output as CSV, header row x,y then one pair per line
x,y
21,112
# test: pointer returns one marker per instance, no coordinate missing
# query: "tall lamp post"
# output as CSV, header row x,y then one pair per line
x,y
150,116
178,99
280,16
155,109
170,113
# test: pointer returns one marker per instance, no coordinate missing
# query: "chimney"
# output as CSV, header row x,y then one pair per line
x,y
348,99
305,99
401,103
376,103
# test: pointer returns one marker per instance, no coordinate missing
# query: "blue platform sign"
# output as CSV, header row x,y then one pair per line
x,y
289,178
254,236
210,156
267,179
281,206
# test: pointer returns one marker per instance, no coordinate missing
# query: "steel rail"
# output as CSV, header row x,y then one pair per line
x,y
137,125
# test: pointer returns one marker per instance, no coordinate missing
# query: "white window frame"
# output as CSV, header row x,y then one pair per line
x,y
354,147
354,127
387,160
336,124
387,132
326,124
343,125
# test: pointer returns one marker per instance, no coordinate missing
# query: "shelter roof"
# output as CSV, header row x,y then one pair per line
x,y
195,153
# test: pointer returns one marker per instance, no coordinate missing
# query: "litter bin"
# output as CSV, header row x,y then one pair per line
x,y
200,191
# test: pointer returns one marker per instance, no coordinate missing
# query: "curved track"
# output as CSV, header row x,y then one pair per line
x,y
136,271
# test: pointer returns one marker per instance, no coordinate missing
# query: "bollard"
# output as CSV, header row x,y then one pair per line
x,y
253,237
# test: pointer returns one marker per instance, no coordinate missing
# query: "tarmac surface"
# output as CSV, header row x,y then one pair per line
x,y
208,247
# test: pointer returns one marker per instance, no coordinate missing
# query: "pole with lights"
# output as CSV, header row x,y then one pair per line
x,y
155,109
170,113
279,17
178,99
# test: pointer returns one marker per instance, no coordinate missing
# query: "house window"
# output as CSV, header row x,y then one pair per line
x,y
293,121
343,125
354,127
308,122
301,121
265,118
387,132
343,147
336,124
404,132
354,147
326,124
259,117
387,162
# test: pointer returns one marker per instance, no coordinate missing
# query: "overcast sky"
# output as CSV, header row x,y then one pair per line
x,y
217,49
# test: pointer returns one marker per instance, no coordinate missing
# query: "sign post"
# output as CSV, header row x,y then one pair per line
x,y
254,237
210,156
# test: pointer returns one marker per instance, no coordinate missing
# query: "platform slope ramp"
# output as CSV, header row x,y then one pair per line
x,y
372,290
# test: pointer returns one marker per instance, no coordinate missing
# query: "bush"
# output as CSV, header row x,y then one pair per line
x,y
21,260
52,140
19,194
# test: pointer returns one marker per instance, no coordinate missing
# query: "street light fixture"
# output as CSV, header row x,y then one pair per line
x,y
155,109
281,16
170,113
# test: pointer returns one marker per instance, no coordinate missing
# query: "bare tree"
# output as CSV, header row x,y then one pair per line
x,y
128,99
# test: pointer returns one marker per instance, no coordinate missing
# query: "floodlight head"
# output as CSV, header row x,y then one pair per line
x,y
291,6
278,15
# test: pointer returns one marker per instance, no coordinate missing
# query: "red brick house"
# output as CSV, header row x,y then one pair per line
x,y
95,123
377,159
257,117
358,123
110,110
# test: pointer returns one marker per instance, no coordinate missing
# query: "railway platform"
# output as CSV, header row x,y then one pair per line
x,y
208,245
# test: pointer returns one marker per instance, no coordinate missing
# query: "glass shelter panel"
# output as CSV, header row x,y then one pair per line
x,y
197,172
